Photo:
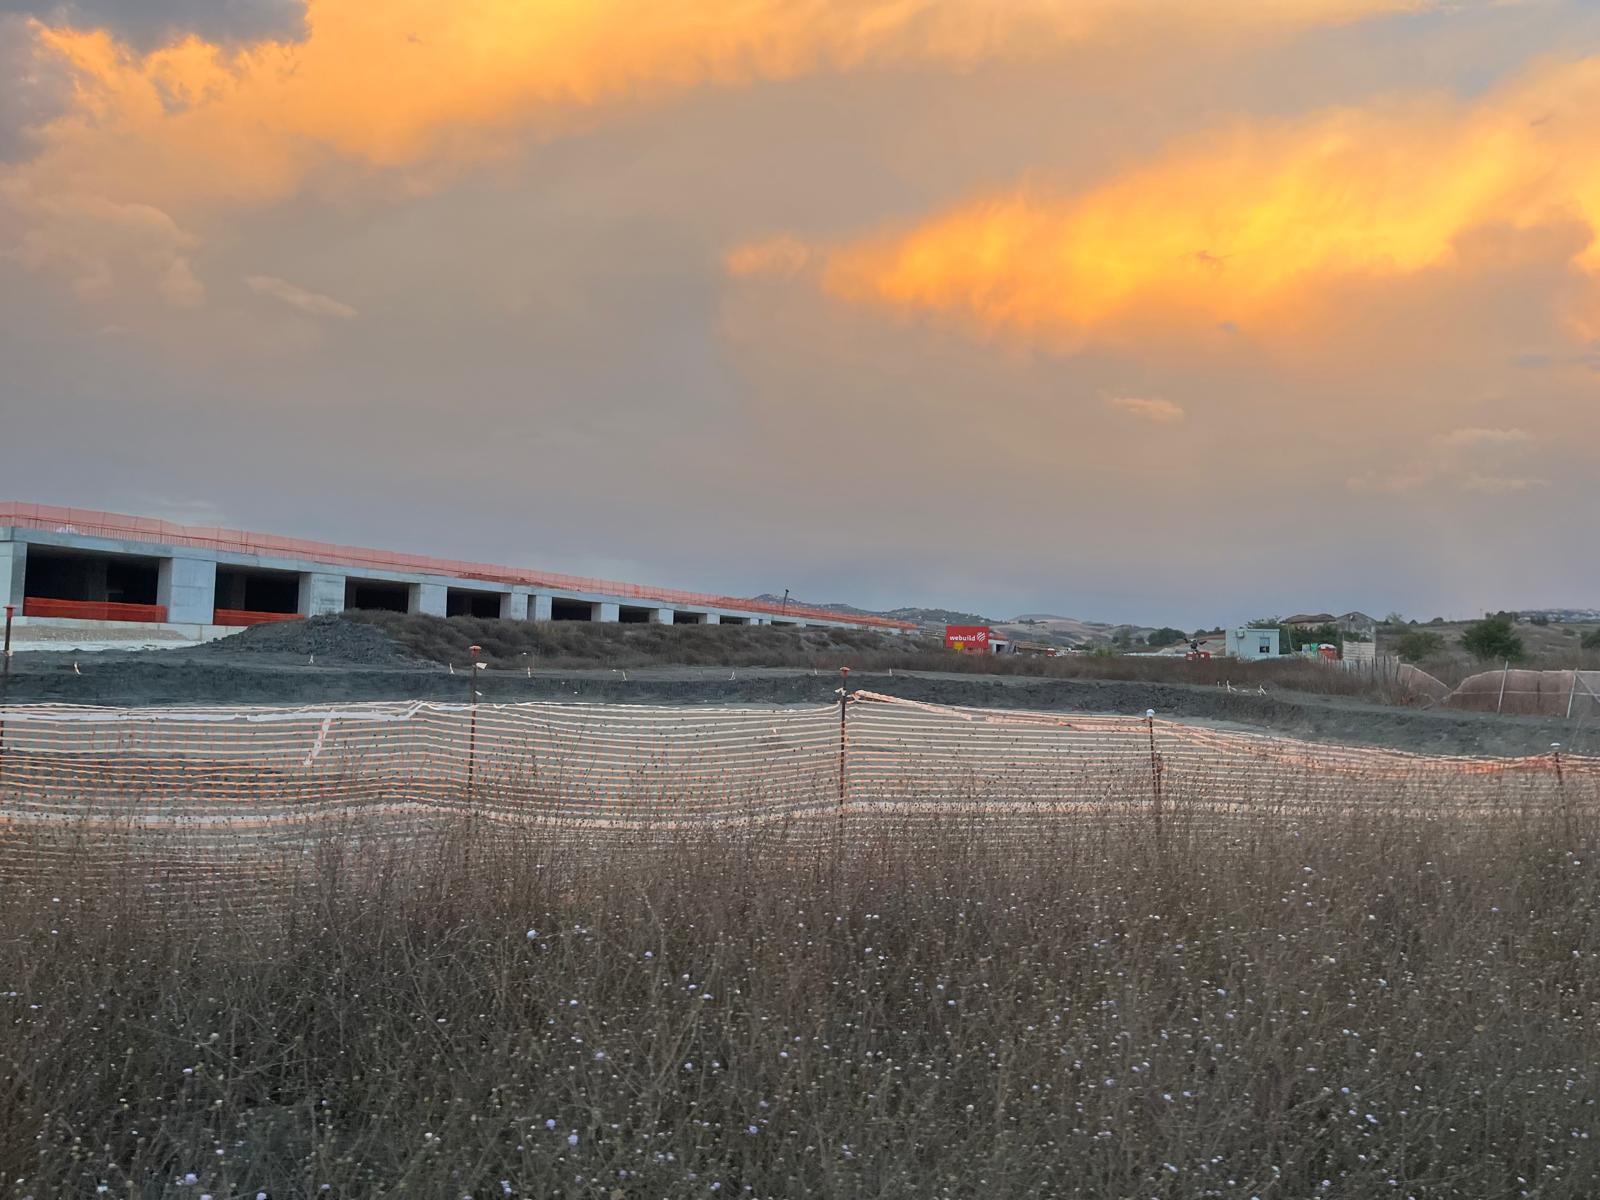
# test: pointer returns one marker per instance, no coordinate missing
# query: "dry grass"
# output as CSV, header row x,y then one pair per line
x,y
1357,1006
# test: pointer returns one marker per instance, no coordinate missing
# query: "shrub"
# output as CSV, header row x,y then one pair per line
x,y
1492,639
1419,644
1591,640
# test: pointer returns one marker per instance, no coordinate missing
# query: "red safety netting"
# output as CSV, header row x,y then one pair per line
x,y
57,519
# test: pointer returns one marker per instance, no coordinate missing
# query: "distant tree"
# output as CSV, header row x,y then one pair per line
x,y
1297,639
1418,645
1164,636
1591,640
1395,618
1436,621
1264,623
1493,639
1538,619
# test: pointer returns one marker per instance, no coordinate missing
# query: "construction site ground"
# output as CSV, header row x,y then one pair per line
x,y
330,662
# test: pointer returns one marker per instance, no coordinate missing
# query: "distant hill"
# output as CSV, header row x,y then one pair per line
x,y
920,616
1038,627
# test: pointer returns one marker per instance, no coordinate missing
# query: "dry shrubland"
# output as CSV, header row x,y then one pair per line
x,y
1358,1005
576,645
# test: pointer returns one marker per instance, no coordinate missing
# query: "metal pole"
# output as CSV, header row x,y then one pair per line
x,y
844,728
1561,785
5,671
1504,671
5,682
472,736
1155,771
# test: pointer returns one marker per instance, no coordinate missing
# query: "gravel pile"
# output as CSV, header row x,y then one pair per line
x,y
329,639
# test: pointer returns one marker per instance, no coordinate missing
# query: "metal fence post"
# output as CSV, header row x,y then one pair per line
x,y
5,683
844,728
1155,771
472,735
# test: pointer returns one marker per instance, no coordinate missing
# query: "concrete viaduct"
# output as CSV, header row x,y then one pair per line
x,y
69,567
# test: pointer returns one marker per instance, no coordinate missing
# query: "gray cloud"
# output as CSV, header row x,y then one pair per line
x,y
149,23
31,90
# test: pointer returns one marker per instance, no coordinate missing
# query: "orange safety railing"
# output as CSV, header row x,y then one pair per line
x,y
241,617
92,610
57,519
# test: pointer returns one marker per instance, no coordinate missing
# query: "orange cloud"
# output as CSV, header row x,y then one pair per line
x,y
1248,228
394,83
1162,412
1471,459
419,88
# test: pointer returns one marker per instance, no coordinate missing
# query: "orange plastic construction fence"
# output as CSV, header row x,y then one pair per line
x,y
92,610
239,618
54,518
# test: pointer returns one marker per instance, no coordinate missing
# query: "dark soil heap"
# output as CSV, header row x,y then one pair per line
x,y
329,639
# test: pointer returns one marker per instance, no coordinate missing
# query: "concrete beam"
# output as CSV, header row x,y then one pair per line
x,y
430,598
188,588
538,608
321,592
514,606
661,616
13,573
608,612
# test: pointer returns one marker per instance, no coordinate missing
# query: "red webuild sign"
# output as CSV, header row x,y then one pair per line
x,y
967,638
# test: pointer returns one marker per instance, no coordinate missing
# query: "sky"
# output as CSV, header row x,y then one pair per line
x,y
1130,310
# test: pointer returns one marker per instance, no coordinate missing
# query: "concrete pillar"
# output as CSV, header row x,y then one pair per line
x,y
538,608
661,616
761,620
320,593
514,606
430,598
188,587
713,619
605,611
13,573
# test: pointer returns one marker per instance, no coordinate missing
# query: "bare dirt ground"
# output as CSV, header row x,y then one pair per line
x,y
217,675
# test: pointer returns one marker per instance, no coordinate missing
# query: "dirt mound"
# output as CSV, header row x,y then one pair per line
x,y
330,639
518,644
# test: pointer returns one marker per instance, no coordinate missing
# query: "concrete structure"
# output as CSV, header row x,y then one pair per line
x,y
71,567
1252,644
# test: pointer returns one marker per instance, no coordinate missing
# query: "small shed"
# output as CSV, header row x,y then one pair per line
x,y
1250,644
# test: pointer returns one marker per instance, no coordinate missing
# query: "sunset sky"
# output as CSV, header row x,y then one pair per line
x,y
1147,310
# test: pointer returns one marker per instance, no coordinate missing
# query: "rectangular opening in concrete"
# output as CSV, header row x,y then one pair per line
x,y
727,620
249,596
571,610
466,602
680,617
377,595
87,586
630,615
